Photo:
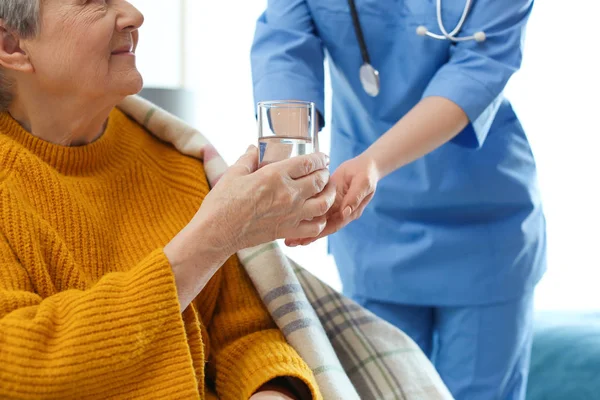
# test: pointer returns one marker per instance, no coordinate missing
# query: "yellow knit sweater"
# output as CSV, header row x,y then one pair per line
x,y
88,303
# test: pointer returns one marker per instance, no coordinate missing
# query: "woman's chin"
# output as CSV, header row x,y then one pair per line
x,y
131,85
139,86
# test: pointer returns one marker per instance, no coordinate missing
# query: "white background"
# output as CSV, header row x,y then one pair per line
x,y
204,46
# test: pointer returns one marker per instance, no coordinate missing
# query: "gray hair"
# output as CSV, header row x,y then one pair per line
x,y
22,18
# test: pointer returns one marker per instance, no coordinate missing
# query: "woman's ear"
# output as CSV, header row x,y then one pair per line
x,y
12,56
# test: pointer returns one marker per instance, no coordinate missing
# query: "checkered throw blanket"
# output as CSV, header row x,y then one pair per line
x,y
353,354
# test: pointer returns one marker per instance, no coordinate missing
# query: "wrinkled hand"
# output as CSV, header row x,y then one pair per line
x,y
281,389
355,181
272,395
286,199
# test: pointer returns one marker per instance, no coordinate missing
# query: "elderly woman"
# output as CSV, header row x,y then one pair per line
x,y
117,278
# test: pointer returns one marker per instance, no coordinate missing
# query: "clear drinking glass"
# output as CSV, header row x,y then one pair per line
x,y
286,129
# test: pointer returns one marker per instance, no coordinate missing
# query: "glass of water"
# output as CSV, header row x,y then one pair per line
x,y
286,129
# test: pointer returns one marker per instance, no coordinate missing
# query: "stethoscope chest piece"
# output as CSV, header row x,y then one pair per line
x,y
369,78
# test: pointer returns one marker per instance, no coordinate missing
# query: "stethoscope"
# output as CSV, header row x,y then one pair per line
x,y
369,76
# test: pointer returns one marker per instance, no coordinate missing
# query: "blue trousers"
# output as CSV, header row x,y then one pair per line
x,y
481,352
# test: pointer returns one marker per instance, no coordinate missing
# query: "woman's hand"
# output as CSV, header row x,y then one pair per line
x,y
355,181
273,395
286,199
248,207
283,389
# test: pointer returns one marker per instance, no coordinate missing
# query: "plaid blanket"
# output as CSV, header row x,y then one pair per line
x,y
353,354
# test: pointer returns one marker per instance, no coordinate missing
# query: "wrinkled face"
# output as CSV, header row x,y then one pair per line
x,y
87,48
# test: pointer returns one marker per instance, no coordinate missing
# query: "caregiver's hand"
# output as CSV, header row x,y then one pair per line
x,y
286,199
355,181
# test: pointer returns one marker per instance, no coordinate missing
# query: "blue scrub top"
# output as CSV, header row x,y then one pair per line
x,y
462,225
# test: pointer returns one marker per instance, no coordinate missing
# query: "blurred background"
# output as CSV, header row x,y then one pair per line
x,y
194,55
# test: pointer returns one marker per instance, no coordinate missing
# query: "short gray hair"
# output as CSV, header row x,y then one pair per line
x,y
21,17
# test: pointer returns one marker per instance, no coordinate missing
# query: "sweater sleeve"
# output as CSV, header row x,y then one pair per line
x,y
248,349
120,338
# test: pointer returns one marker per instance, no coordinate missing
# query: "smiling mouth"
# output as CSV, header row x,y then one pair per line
x,y
123,50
